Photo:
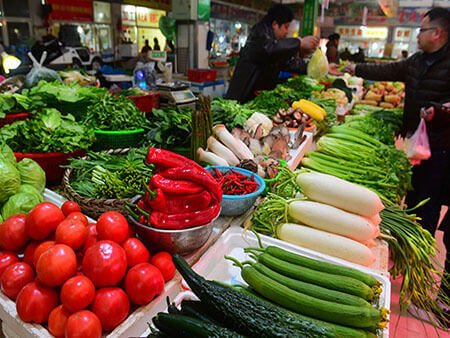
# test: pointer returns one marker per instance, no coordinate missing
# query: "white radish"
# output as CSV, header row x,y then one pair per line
x,y
339,193
233,143
211,158
220,150
375,219
326,243
328,218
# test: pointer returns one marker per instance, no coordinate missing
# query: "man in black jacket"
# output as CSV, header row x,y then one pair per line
x,y
427,78
266,53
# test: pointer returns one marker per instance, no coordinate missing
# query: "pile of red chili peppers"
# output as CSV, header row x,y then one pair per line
x,y
235,183
181,194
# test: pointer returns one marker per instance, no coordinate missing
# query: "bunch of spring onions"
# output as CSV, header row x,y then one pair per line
x,y
356,157
411,248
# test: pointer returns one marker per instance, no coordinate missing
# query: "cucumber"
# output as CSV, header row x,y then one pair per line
x,y
195,309
311,289
334,282
354,316
322,266
251,316
184,326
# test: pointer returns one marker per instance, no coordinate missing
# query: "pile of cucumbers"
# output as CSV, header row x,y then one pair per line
x,y
331,301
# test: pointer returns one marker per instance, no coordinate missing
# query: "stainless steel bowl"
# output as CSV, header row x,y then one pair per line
x,y
182,242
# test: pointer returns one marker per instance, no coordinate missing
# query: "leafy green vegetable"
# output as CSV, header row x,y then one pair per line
x,y
13,103
134,91
170,127
268,102
302,83
7,153
114,113
376,128
48,131
330,119
230,112
20,203
31,173
29,189
9,180
391,116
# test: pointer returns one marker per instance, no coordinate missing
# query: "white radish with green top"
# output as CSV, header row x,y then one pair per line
x,y
339,193
326,243
331,219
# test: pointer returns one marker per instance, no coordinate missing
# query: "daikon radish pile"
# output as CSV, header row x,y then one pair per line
x,y
339,193
331,219
326,243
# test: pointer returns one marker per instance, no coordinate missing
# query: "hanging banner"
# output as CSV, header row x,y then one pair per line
x,y
309,17
204,10
72,10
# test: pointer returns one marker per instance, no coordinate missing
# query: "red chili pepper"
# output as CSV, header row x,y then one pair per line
x,y
198,176
156,199
168,159
143,220
174,185
234,183
162,220
186,203
142,204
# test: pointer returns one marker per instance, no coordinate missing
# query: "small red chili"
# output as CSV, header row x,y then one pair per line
x,y
235,183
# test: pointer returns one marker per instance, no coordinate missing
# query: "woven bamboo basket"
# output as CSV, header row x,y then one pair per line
x,y
91,206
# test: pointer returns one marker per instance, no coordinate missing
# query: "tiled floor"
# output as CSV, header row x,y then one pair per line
x,y
403,324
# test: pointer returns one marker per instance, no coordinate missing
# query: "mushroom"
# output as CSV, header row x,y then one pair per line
x,y
297,116
277,118
282,112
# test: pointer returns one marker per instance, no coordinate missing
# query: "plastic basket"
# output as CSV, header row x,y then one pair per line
x,y
10,118
147,102
51,162
105,140
202,75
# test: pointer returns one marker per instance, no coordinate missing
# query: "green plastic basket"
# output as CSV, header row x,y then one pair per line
x,y
105,140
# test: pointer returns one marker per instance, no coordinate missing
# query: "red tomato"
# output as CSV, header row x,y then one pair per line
x,y
163,261
92,236
77,293
56,265
28,254
41,248
143,283
136,252
112,226
57,321
78,216
35,302
12,233
105,263
42,220
7,259
83,324
71,232
111,305
69,207
15,277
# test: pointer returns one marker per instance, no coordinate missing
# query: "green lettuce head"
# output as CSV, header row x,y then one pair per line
x,y
31,173
9,180
318,66
20,203
1,219
29,189
6,152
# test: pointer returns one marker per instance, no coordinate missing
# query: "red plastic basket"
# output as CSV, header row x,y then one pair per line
x,y
146,102
51,163
202,75
10,118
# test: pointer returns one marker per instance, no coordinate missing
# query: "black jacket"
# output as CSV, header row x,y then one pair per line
x,y
260,62
427,78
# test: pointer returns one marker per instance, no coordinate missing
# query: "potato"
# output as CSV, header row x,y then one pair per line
x,y
394,99
386,105
369,102
373,96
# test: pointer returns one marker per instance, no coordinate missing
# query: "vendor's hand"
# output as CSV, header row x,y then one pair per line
x,y
333,69
350,68
309,43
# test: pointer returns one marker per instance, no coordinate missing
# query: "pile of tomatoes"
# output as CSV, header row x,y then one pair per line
x,y
79,277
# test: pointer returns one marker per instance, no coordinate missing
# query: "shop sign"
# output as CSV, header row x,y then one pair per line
x,y
375,32
415,3
412,15
102,12
204,8
71,10
128,15
148,17
309,17
165,5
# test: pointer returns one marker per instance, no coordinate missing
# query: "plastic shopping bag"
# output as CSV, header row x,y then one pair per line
x,y
417,146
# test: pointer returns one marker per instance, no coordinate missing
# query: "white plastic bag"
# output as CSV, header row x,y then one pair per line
x,y
417,146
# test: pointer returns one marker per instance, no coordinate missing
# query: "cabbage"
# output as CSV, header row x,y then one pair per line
x,y
1,219
7,153
9,180
20,203
29,189
31,173
318,66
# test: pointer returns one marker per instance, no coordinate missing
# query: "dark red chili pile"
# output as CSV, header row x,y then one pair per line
x,y
235,183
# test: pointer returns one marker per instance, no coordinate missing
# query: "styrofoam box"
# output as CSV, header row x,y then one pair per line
x,y
133,326
213,266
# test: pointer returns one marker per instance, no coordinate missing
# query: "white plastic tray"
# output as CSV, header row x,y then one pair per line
x,y
213,266
297,154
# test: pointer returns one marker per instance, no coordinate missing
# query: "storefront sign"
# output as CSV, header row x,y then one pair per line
x,y
72,10
102,12
147,17
374,32
415,3
412,15
165,5
309,17
128,15
203,8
